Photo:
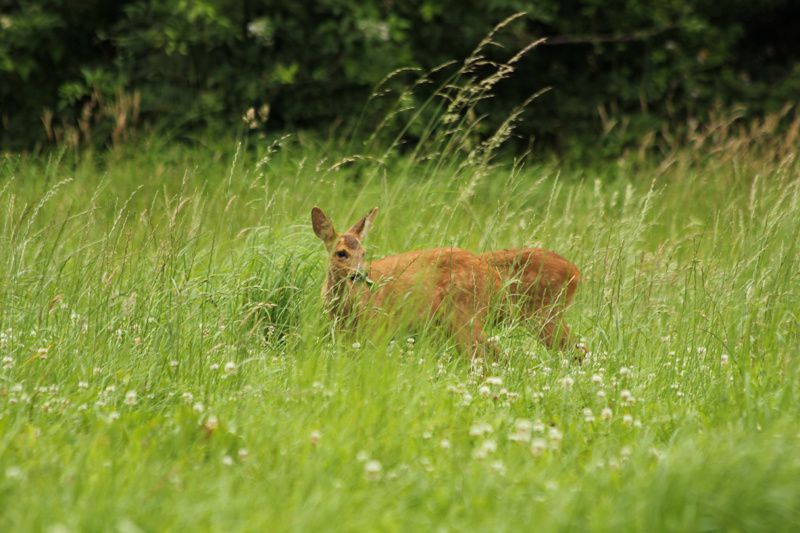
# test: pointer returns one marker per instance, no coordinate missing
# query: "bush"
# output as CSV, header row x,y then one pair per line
x,y
92,71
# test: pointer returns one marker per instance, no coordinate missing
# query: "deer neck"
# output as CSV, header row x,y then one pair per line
x,y
341,295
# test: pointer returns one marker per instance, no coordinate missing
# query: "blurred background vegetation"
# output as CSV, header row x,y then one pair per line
x,y
93,72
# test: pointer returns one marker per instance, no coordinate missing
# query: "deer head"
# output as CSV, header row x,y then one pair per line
x,y
346,250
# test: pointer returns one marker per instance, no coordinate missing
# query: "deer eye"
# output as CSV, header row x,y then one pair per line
x,y
342,254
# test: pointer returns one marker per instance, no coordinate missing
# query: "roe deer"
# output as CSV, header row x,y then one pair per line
x,y
453,286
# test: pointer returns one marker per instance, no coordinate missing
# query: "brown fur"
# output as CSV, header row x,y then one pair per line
x,y
453,286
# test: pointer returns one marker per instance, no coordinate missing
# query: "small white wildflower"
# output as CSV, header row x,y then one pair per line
x,y
8,362
606,413
14,472
173,364
130,397
230,368
314,437
113,415
243,454
444,444
214,366
373,469
212,423
567,382
482,428
637,423
723,359
624,371
601,394
538,426
362,456
83,385
426,435
555,436
588,415
522,431
627,420
356,345
499,467
494,380
41,353
538,446
701,350
484,391
626,396
227,460
410,340
187,397
597,379
486,448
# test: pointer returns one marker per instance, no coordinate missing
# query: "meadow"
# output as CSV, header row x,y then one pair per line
x,y
167,365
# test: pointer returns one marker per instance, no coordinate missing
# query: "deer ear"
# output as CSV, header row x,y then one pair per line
x,y
361,228
323,227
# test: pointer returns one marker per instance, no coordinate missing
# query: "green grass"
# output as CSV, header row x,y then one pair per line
x,y
150,268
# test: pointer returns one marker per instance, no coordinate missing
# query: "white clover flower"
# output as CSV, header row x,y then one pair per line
x,y
83,385
373,469
723,359
130,397
601,394
484,391
227,460
597,379
498,467
356,345
41,353
555,436
538,446
113,415
538,426
606,413
567,382
410,340
626,396
214,366
314,437
230,368
8,362
482,428
173,364
494,380
212,423
487,447
522,431
624,371
627,420
588,415
444,444
243,454
14,472
187,397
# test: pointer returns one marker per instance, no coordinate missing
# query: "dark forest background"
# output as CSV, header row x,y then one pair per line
x,y
96,71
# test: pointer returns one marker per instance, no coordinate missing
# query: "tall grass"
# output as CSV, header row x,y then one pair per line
x,y
167,363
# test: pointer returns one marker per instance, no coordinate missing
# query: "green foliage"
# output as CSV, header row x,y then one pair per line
x,y
620,68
